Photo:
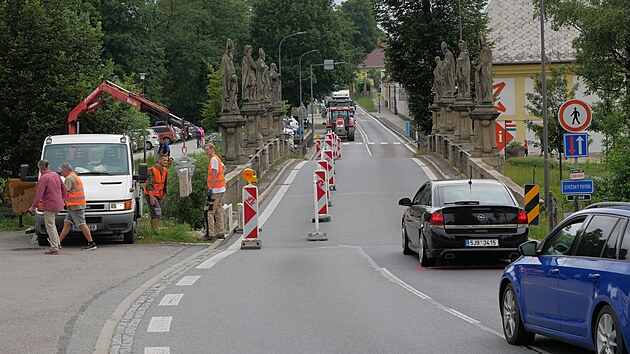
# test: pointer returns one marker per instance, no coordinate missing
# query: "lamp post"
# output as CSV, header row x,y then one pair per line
x,y
301,56
280,50
144,139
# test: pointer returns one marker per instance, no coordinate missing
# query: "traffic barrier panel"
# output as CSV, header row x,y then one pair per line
x,y
318,149
328,156
319,195
338,147
325,166
250,218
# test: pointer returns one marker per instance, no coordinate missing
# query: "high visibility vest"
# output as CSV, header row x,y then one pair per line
x,y
159,179
220,180
76,196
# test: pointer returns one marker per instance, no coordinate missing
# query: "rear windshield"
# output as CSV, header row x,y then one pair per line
x,y
483,194
90,159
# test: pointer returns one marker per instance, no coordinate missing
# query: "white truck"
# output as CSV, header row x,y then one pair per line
x,y
113,193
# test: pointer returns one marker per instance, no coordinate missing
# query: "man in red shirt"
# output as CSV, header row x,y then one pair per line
x,y
50,191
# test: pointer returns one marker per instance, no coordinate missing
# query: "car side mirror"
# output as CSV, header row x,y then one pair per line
x,y
142,173
24,174
405,202
528,248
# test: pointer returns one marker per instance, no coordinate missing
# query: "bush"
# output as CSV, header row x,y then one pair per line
x,y
188,209
534,161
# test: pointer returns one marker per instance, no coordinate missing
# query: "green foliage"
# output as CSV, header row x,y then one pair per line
x,y
212,108
365,102
169,231
617,185
327,30
532,161
415,30
363,23
557,94
188,209
50,59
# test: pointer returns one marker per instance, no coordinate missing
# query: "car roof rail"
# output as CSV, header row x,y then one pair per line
x,y
607,204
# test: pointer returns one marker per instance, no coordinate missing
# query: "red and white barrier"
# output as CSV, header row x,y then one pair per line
x,y
319,179
338,147
250,218
318,148
329,157
325,166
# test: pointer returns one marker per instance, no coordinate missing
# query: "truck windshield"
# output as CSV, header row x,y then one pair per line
x,y
90,159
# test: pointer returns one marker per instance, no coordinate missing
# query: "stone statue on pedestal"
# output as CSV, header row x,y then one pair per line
x,y
483,74
449,70
249,75
438,79
274,84
463,71
262,76
228,79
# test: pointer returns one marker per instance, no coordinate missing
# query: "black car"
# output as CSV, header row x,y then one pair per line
x,y
453,218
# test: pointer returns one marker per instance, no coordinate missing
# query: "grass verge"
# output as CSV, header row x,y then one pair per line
x,y
169,231
366,103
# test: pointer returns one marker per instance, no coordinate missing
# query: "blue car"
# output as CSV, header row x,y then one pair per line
x,y
575,285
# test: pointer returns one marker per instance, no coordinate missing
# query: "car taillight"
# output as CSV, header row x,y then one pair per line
x,y
522,218
437,219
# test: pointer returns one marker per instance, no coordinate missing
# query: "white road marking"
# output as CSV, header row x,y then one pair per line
x,y
160,324
426,169
396,143
462,316
354,144
389,130
171,299
188,280
365,139
157,350
212,261
345,143
384,143
371,143
387,274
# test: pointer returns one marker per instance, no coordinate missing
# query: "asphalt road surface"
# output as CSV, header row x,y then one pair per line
x,y
354,293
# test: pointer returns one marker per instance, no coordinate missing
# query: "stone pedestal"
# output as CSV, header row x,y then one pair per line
x,y
253,137
447,116
484,117
435,113
463,123
266,122
231,125
276,121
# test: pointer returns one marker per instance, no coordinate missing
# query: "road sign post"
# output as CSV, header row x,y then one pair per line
x,y
575,145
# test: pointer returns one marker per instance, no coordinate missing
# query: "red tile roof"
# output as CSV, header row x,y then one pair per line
x,y
376,58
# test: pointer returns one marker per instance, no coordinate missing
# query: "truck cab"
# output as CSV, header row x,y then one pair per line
x,y
113,193
341,121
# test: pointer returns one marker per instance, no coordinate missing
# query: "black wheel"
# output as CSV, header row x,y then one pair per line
x,y
42,239
405,243
129,237
168,140
607,334
148,146
513,328
425,261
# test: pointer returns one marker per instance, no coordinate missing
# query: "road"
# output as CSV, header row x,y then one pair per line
x,y
355,292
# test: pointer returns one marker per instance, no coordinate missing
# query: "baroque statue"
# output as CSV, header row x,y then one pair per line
x,y
249,75
274,84
228,79
449,70
438,79
262,76
483,73
463,71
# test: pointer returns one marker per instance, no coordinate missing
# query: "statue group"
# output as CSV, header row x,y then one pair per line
x,y
260,82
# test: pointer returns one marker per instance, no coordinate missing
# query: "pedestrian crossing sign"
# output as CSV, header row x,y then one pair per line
x,y
379,95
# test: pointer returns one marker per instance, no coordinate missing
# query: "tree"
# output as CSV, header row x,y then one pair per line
x,y
212,107
326,29
415,30
557,94
50,59
194,34
365,33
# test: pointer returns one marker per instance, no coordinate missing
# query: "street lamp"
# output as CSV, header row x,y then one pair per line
x,y
280,49
144,140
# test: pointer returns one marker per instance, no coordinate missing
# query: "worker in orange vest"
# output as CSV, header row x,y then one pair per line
x,y
216,188
76,204
155,189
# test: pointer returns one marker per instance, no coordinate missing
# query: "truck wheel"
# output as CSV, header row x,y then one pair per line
x,y
129,237
351,137
42,239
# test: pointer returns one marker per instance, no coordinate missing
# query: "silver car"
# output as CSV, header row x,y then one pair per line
x,y
151,139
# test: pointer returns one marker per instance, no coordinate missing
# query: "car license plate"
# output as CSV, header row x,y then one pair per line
x,y
92,227
483,243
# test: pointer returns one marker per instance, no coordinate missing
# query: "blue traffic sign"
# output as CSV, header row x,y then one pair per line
x,y
576,145
584,186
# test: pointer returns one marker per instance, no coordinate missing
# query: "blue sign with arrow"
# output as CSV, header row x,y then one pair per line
x,y
576,145
583,186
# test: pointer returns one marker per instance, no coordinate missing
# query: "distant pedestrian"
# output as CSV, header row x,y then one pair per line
x,y
164,148
216,188
526,148
155,189
50,191
75,203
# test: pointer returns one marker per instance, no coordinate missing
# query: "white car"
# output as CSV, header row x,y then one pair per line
x,y
291,123
151,139
289,131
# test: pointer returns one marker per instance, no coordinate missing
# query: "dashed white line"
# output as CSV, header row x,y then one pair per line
x,y
188,280
370,143
396,143
157,350
160,324
365,139
384,143
171,299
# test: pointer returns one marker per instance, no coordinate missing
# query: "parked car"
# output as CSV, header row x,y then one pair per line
x,y
151,139
166,132
291,123
575,285
179,134
454,218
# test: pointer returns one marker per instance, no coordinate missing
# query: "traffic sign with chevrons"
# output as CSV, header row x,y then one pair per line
x,y
532,203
